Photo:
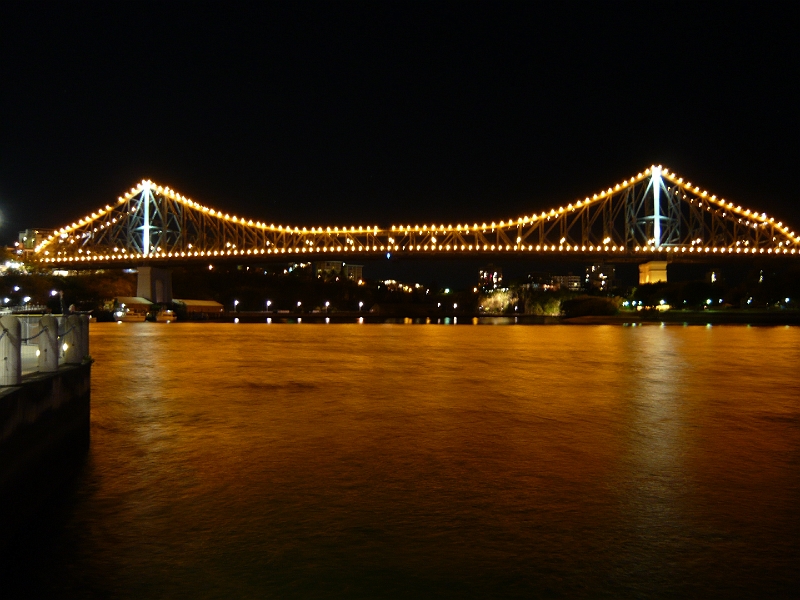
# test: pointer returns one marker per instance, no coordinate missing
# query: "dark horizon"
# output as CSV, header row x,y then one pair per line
x,y
359,114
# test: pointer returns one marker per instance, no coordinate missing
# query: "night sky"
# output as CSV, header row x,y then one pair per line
x,y
345,113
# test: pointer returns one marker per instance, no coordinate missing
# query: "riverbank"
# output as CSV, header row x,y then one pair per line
x,y
701,317
696,317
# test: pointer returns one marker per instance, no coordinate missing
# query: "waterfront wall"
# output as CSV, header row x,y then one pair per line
x,y
44,438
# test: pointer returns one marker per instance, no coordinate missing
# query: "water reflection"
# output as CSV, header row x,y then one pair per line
x,y
361,461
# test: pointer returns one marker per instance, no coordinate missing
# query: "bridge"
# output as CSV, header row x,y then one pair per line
x,y
655,215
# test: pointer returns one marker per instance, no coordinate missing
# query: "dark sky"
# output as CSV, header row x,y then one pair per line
x,y
387,112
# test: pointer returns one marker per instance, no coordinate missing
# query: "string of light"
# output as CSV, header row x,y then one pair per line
x,y
360,239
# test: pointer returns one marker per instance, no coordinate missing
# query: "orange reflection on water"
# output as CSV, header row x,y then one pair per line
x,y
467,459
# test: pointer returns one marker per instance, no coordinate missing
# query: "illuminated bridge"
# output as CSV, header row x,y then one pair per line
x,y
655,215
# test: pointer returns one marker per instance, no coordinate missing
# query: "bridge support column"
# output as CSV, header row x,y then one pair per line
x,y
653,272
154,284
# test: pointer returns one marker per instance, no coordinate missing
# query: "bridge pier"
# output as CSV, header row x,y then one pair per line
x,y
154,284
653,272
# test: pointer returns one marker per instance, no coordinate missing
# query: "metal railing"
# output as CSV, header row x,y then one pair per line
x,y
40,344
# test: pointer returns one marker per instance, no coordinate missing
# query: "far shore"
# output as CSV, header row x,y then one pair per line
x,y
681,317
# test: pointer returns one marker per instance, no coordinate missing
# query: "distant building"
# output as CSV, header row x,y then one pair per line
x,y
570,282
29,239
600,277
298,268
490,278
199,308
539,281
330,270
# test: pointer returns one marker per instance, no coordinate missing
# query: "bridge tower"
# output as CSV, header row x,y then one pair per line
x,y
657,214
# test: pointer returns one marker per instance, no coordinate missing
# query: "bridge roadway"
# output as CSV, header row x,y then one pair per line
x,y
707,255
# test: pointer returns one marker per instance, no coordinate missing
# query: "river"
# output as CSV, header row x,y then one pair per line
x,y
370,461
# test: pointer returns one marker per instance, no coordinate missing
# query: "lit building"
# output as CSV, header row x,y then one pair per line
x,y
714,276
490,278
572,283
539,280
29,239
298,268
600,277
329,270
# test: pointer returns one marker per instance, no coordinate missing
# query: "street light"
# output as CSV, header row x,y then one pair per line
x,y
327,306
455,305
26,299
235,304
269,303
360,304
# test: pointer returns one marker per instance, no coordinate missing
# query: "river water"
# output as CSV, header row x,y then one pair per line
x,y
366,461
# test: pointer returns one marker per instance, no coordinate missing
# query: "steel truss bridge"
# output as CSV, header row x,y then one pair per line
x,y
654,215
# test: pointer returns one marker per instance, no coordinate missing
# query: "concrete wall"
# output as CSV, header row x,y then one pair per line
x,y
154,284
44,439
653,272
